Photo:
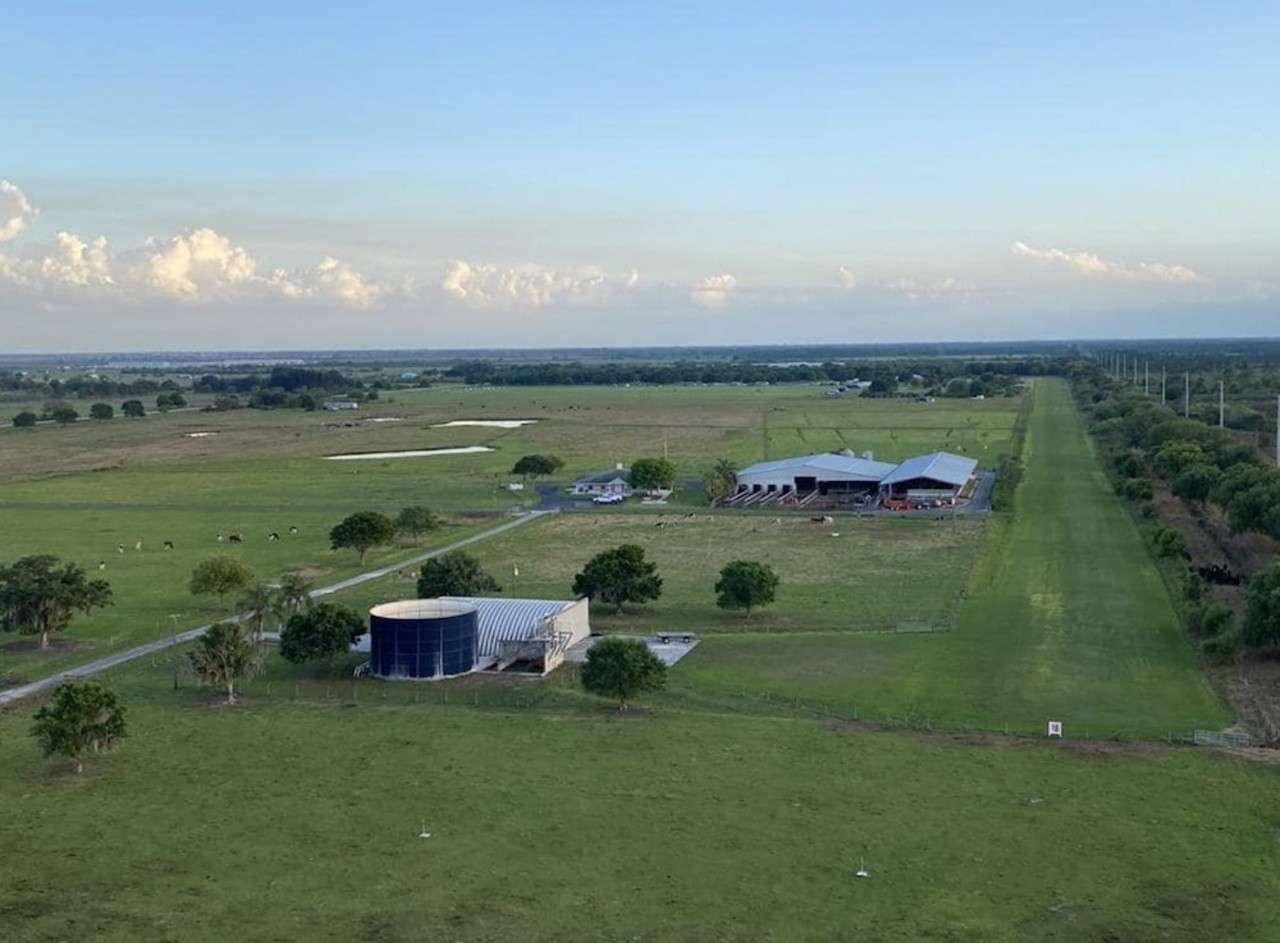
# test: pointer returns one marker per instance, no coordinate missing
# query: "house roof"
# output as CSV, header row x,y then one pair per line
x,y
951,469
601,477
862,469
500,620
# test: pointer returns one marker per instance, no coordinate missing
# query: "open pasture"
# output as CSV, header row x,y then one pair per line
x,y
591,428
279,820
150,585
856,582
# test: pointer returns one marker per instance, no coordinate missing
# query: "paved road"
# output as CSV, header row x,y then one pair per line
x,y
99,665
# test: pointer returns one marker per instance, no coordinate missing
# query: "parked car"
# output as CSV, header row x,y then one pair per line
x,y
611,498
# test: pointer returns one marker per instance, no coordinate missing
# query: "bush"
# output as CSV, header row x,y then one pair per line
x,y
1136,489
1221,648
1166,542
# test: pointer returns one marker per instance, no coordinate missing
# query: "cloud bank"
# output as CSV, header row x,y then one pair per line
x,y
483,285
1090,265
197,266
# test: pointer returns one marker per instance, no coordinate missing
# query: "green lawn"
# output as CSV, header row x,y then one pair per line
x,y
1066,617
279,820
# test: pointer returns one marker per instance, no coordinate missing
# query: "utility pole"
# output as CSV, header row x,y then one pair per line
x,y
1278,431
1146,378
1162,384
1186,396
1222,407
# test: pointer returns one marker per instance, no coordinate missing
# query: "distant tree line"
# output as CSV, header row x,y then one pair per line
x,y
281,388
937,377
87,386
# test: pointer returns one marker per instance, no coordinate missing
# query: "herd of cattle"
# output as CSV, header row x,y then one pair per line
x,y
234,537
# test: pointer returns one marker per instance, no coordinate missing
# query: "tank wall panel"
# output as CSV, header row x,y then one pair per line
x,y
424,647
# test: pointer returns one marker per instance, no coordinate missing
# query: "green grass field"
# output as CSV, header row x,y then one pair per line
x,y
279,820
1066,617
82,491
726,808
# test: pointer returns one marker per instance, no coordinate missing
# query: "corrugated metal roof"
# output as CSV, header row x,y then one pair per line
x,y
508,619
954,470
864,469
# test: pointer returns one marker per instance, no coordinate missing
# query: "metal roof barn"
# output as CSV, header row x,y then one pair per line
x,y
822,472
935,470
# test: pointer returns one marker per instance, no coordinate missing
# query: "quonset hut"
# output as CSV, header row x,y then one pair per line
x,y
454,635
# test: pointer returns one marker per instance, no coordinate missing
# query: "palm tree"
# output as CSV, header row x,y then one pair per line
x,y
293,595
261,604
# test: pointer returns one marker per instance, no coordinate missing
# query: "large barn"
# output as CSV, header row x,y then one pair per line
x,y
842,473
936,475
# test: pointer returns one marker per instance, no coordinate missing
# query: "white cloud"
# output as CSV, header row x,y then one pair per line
x,y
199,266
15,210
714,290
1090,265
484,285
846,278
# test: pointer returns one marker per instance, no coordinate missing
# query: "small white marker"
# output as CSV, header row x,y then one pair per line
x,y
862,871
424,833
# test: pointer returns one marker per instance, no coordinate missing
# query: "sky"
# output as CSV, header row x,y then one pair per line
x,y
547,173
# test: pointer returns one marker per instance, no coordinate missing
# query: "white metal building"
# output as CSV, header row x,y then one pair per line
x,y
825,473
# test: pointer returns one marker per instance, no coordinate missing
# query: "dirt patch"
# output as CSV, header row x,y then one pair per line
x,y
982,738
57,646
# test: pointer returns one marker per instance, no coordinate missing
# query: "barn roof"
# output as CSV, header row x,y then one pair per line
x,y
950,469
508,619
860,468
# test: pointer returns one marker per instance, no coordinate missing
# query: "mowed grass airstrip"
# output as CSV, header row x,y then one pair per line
x,y
720,811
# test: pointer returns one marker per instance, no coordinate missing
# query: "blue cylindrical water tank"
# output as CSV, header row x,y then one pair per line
x,y
423,638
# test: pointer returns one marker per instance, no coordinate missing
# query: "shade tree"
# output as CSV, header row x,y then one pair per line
x,y
619,576
362,531
40,595
622,668
321,633
225,654
455,574
81,716
218,576
746,585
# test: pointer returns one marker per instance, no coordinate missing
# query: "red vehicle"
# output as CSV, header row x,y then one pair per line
x,y
895,504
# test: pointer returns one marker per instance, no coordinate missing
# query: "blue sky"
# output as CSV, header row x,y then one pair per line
x,y
556,173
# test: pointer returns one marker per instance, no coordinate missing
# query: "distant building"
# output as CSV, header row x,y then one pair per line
x,y
340,404
608,482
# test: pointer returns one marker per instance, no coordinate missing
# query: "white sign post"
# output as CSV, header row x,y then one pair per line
x,y
1055,728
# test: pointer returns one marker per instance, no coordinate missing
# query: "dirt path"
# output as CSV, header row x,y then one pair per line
x,y
106,662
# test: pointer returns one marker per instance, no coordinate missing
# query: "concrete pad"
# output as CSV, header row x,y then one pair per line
x,y
670,651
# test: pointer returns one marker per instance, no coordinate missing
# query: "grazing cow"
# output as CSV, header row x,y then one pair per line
x,y
273,536
168,545
236,538
138,545
293,528
102,564
219,537
120,548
